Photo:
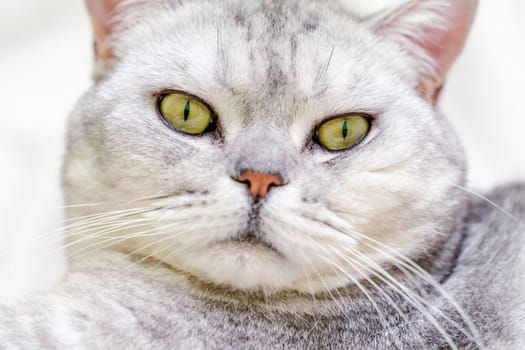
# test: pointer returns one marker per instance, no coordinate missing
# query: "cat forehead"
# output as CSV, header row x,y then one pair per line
x,y
253,46
258,67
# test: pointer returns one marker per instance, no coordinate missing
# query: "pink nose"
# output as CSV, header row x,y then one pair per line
x,y
260,184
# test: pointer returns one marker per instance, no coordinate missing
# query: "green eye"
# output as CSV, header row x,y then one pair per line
x,y
341,133
186,114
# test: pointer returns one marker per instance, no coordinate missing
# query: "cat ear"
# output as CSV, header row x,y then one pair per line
x,y
107,17
103,20
433,32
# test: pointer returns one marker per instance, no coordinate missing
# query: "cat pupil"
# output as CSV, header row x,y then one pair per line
x,y
186,111
345,129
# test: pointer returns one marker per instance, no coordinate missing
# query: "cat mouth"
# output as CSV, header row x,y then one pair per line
x,y
251,239
252,236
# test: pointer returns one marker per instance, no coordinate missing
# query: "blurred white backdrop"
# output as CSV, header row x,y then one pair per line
x,y
45,60
45,65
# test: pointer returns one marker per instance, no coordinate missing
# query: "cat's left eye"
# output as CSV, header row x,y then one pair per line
x,y
342,133
185,113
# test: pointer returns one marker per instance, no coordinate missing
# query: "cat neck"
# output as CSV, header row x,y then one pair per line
x,y
385,308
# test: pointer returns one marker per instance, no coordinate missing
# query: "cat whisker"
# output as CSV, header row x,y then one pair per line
x,y
310,286
354,265
358,266
99,231
320,86
83,224
110,203
420,273
101,215
150,255
99,235
328,290
100,228
103,224
365,274
78,229
307,274
123,237
403,291
355,281
485,199
167,257
124,211
89,249
315,269
168,236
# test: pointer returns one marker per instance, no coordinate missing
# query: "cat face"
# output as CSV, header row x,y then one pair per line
x,y
271,74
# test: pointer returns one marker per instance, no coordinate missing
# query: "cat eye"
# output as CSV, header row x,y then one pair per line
x,y
185,113
343,132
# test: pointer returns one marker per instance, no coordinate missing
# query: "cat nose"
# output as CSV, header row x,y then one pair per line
x,y
259,183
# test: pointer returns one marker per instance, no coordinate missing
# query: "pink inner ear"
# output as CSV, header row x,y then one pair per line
x,y
444,45
102,18
437,27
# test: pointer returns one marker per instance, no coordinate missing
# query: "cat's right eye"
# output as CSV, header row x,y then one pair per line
x,y
342,133
186,113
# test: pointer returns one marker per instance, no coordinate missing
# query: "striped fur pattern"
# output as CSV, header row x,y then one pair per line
x,y
378,247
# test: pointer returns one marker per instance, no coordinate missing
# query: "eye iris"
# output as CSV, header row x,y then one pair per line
x,y
185,113
342,133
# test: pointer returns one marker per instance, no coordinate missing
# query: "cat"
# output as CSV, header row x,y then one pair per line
x,y
276,174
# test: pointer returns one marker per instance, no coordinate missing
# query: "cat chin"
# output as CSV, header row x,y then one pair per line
x,y
241,265
254,267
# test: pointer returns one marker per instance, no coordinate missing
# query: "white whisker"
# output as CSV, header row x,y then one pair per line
x,y
418,302
480,196
335,266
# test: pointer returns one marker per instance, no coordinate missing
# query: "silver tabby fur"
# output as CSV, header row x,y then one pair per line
x,y
377,247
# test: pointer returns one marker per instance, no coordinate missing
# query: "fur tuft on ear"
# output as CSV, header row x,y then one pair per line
x,y
433,32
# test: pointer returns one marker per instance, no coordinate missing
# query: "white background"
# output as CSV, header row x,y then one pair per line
x,y
45,64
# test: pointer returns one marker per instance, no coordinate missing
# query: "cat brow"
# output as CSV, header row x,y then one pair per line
x,y
320,84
